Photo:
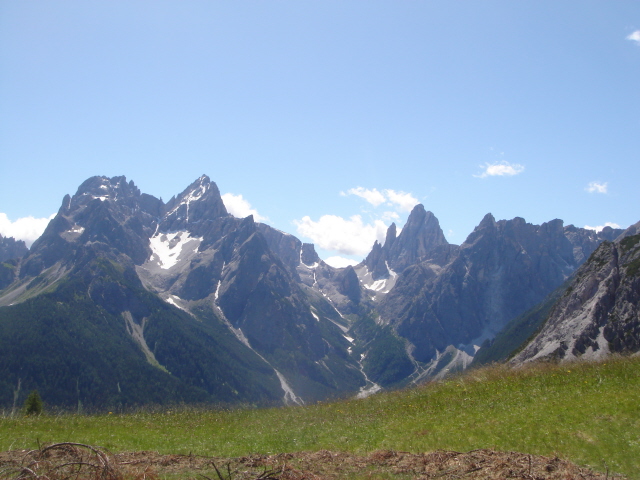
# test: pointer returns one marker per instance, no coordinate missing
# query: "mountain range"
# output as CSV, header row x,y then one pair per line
x,y
126,300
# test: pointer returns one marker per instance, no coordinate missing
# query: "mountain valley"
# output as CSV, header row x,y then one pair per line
x,y
126,300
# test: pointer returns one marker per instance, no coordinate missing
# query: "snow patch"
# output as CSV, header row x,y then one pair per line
x,y
168,247
377,285
173,300
73,233
382,285
391,272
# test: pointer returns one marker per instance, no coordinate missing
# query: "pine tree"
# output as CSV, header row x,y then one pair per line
x,y
33,405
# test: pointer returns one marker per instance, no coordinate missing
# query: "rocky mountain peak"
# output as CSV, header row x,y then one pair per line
x,y
420,235
115,189
391,236
199,201
486,226
228,301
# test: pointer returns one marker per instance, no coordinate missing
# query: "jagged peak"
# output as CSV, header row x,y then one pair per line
x,y
391,235
488,223
487,220
197,188
101,181
417,214
200,200
421,220
100,187
555,226
247,221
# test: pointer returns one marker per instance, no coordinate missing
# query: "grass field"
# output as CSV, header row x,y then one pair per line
x,y
588,413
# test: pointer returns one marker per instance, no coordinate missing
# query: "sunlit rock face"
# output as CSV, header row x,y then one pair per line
x,y
598,313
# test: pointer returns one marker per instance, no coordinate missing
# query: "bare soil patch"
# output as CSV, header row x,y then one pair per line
x,y
76,461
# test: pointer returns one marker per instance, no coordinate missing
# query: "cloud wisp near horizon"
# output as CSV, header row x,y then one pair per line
x,y
354,236
340,239
240,207
27,229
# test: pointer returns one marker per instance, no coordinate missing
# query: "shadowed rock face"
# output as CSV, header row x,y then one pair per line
x,y
417,240
10,248
308,256
10,253
286,246
500,271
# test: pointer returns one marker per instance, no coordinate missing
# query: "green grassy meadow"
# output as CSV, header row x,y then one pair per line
x,y
588,413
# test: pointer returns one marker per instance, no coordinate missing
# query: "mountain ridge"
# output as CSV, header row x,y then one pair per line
x,y
206,299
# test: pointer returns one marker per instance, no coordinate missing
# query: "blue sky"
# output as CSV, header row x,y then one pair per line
x,y
330,118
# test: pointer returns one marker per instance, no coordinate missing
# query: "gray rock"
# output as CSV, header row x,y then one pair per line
x,y
598,313
10,248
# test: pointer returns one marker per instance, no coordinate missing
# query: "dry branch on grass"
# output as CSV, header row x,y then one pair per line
x,y
62,461
75,461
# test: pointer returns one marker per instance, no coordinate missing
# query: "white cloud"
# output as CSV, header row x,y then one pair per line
x,y
600,227
25,228
402,200
500,169
596,187
635,37
340,262
348,237
390,216
373,196
240,208
353,236
405,201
